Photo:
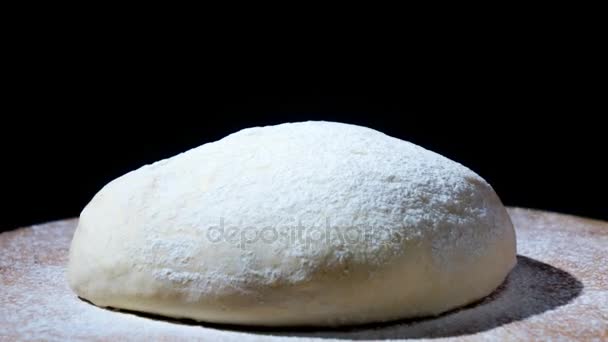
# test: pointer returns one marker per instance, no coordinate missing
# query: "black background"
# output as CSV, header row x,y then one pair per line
x,y
541,145
516,94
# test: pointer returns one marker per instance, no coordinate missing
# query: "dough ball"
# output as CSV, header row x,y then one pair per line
x,y
311,223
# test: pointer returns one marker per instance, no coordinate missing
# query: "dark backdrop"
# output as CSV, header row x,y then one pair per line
x,y
540,145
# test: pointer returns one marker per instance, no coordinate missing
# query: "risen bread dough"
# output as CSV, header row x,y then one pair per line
x,y
311,223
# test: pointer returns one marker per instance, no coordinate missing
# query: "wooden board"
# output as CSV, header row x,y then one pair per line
x,y
559,289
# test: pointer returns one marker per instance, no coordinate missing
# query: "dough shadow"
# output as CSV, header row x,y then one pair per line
x,y
531,288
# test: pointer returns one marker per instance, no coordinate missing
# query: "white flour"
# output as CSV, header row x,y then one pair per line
x,y
539,302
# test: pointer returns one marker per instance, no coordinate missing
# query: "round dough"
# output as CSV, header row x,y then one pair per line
x,y
312,223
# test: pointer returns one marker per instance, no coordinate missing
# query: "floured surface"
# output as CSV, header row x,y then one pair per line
x,y
559,289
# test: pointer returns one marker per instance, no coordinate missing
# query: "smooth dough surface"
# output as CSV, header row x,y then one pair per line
x,y
311,223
